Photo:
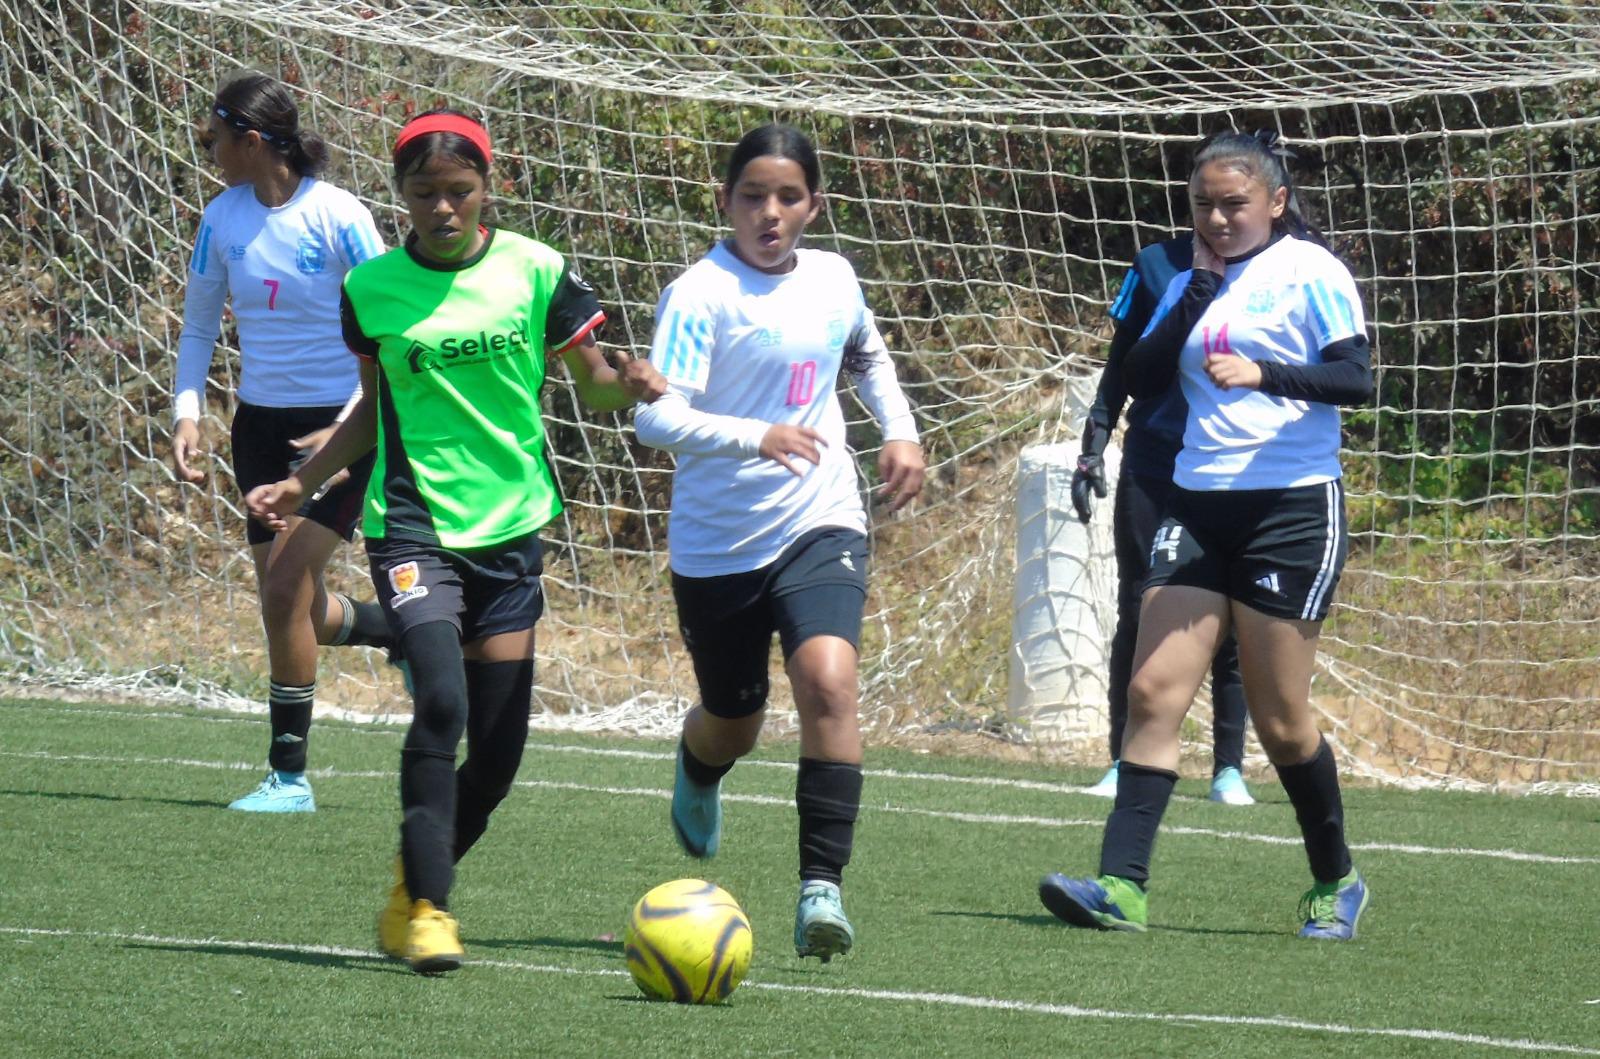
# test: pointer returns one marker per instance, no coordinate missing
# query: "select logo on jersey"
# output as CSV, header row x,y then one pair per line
x,y
459,350
404,580
311,255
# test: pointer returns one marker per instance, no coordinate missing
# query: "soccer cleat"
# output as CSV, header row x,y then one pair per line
x,y
1106,903
820,928
696,814
394,922
1331,910
1228,788
433,939
280,792
1107,787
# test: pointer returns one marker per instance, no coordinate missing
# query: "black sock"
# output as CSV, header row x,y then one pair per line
x,y
499,694
428,761
289,708
828,795
698,771
1228,709
1313,788
365,625
1130,837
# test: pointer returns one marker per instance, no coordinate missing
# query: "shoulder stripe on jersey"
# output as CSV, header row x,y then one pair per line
x,y
1130,283
1316,296
590,324
687,338
202,246
1330,547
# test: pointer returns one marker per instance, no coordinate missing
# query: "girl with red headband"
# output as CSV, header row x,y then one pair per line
x,y
275,247
453,331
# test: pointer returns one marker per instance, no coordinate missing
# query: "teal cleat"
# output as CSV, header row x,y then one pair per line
x,y
1228,788
820,928
1107,787
280,792
1106,903
1331,910
696,814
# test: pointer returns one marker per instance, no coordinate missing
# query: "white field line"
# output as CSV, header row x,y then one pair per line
x,y
955,1000
884,807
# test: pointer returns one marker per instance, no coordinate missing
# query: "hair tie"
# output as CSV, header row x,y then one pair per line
x,y
459,124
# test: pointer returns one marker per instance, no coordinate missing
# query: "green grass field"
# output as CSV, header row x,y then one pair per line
x,y
138,917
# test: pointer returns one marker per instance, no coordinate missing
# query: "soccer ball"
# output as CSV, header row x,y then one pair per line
x,y
688,941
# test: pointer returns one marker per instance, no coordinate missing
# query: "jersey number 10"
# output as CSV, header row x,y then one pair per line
x,y
802,382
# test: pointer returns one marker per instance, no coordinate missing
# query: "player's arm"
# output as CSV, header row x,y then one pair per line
x,y
902,466
1343,378
204,295
609,380
1152,362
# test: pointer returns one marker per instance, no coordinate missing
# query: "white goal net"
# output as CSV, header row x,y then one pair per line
x,y
991,166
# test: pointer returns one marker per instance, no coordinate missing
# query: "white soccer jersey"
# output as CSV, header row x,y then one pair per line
x,y
280,269
1285,304
742,350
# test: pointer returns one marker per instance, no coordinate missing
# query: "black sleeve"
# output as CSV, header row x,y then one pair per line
x,y
1152,363
1343,377
361,345
1112,393
574,312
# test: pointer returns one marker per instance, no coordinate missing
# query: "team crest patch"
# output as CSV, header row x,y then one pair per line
x,y
403,579
1260,302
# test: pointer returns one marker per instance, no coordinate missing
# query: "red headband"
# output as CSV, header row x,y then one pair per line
x,y
456,123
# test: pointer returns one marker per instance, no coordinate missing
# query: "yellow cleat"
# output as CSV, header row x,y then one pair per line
x,y
394,922
433,940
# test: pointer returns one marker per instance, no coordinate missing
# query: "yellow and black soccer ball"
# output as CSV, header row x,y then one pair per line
x,y
688,941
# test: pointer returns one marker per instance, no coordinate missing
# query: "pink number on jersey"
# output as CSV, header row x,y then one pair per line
x,y
802,382
272,299
1220,346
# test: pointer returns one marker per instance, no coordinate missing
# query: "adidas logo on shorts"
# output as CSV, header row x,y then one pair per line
x,y
1270,583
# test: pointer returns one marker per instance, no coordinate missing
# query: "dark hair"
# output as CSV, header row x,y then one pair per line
x,y
416,152
1264,156
779,141
254,102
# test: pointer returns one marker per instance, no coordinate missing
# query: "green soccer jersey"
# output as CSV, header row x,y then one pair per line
x,y
460,356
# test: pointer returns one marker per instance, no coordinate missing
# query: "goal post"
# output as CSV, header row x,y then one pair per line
x,y
990,170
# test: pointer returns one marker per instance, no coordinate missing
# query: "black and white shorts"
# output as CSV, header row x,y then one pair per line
x,y
817,587
1279,551
481,591
262,455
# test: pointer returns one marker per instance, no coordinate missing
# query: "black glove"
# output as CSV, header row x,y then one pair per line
x,y
1089,475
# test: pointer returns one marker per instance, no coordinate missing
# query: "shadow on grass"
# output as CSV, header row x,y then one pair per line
x,y
1040,920
609,948
374,963
95,796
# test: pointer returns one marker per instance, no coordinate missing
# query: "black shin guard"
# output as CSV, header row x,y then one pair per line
x,y
698,771
1130,837
1313,789
828,795
364,625
500,695
289,709
427,761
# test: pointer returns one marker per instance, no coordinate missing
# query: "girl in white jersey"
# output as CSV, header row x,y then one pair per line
x,y
767,530
274,247
1267,337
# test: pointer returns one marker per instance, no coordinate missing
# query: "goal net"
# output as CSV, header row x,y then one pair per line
x,y
991,168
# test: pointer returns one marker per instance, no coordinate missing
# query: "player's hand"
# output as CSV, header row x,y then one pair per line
x,y
785,443
186,450
1230,370
1088,477
308,444
902,468
639,379
271,505
1207,258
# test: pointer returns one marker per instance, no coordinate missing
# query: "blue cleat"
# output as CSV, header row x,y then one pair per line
x,y
280,792
696,814
1331,910
1107,787
1228,788
820,928
1106,903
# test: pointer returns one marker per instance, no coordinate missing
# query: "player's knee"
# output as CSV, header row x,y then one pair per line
x,y
284,598
1287,740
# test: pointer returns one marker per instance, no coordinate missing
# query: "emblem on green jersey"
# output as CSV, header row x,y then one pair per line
x,y
422,359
